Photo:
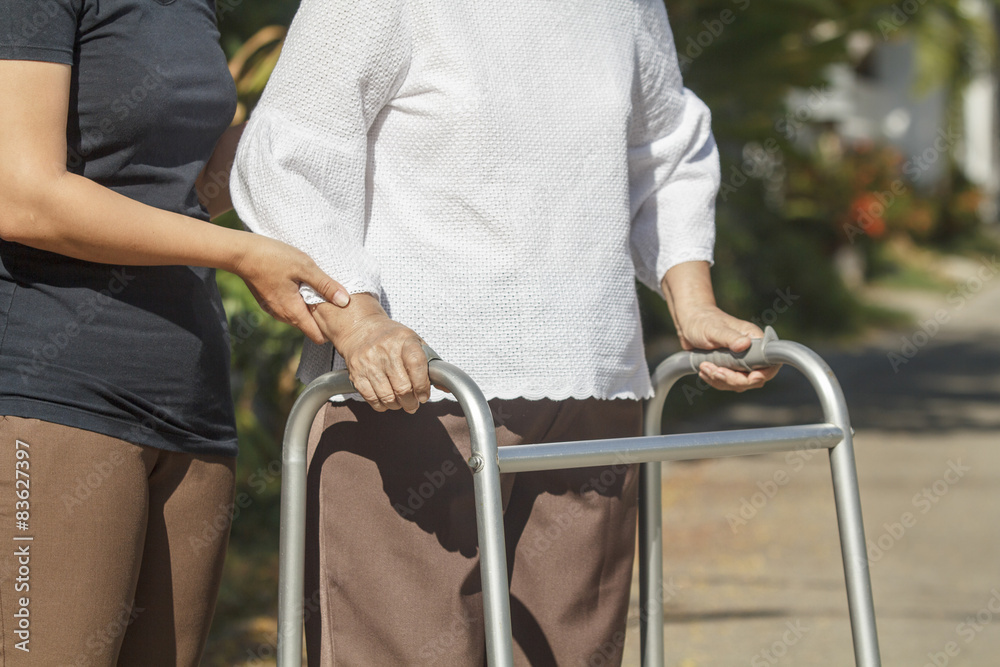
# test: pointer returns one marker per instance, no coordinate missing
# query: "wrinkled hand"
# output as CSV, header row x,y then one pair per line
x,y
709,328
385,360
273,271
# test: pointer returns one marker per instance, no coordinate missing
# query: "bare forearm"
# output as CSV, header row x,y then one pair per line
x,y
700,324
73,216
43,206
339,323
384,358
687,287
213,183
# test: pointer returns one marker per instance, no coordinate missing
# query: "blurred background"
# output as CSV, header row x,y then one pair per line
x,y
858,214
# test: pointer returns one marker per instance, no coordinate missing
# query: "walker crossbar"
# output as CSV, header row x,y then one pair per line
x,y
686,447
486,463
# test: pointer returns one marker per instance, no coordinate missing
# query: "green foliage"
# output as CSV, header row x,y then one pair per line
x,y
744,58
239,20
784,204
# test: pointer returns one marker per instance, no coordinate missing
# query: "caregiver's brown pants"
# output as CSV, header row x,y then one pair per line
x,y
125,552
392,574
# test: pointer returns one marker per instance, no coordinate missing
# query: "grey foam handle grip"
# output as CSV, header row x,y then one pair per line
x,y
431,354
753,357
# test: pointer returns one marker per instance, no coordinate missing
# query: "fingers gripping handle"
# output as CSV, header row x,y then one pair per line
x,y
753,357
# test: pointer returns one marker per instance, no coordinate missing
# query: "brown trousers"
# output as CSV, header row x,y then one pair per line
x,y
392,574
112,552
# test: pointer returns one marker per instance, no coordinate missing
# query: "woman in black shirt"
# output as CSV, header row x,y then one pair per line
x,y
117,435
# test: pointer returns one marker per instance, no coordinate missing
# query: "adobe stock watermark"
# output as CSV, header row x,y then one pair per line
x,y
440,646
225,7
242,327
89,482
696,44
772,654
419,495
100,643
768,488
899,16
967,631
782,302
911,344
219,526
761,159
669,590
37,21
268,651
148,424
57,342
264,476
216,529
540,541
923,502
500,414
119,111
212,184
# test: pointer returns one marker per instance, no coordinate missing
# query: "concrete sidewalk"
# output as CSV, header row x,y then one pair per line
x,y
753,566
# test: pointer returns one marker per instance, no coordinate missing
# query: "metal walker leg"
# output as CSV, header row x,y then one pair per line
x,y
489,517
487,462
845,486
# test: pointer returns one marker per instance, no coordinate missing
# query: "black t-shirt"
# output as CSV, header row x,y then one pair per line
x,y
137,353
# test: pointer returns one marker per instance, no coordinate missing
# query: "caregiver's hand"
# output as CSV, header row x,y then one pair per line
x,y
385,359
274,271
44,206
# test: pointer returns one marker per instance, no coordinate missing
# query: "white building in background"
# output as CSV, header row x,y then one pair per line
x,y
979,154
879,101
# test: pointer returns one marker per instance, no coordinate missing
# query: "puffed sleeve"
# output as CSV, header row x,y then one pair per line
x,y
673,160
300,171
43,31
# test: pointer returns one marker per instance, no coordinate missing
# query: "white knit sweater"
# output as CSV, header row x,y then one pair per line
x,y
498,173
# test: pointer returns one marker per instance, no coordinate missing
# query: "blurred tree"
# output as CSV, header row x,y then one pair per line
x,y
252,64
746,59
239,20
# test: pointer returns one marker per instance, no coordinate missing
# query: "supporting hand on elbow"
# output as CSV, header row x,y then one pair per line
x,y
274,272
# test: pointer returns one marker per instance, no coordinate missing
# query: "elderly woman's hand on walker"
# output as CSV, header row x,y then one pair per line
x,y
388,366
385,359
703,325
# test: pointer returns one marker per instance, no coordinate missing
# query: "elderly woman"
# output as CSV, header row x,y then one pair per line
x,y
117,435
491,177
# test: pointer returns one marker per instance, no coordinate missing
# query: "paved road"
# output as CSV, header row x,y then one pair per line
x,y
756,567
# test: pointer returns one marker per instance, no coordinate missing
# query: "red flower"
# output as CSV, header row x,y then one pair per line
x,y
868,212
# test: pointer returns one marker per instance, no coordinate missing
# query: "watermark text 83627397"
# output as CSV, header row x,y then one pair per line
x,y
22,545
